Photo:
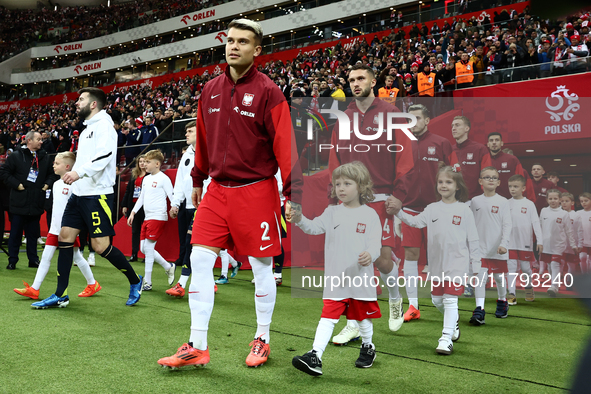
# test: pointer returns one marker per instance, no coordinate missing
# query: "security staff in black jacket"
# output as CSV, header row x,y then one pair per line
x,y
28,173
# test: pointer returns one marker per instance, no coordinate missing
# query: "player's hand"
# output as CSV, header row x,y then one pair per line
x,y
130,218
196,196
540,249
45,187
70,177
174,212
124,210
501,250
576,250
393,205
364,259
293,212
20,187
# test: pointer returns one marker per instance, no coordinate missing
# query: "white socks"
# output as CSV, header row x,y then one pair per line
x,y
44,264
46,257
265,293
480,290
391,282
84,267
512,276
226,260
366,331
147,248
323,334
183,281
501,286
438,302
450,315
411,273
201,294
555,267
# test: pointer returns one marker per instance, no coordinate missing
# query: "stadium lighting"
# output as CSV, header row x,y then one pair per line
x,y
529,150
557,159
573,165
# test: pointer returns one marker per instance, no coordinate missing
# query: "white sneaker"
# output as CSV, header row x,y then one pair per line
x,y
91,260
396,314
147,286
552,291
170,274
40,241
426,269
456,334
252,281
346,335
445,346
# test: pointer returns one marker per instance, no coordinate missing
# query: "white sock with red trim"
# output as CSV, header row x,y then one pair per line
x,y
201,294
265,293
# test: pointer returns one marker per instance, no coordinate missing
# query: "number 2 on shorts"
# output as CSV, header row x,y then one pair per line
x,y
265,227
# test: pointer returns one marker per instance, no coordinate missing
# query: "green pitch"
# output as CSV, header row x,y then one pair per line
x,y
99,345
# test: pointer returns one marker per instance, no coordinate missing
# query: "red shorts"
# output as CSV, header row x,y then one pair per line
x,y
495,266
52,241
152,229
586,249
570,258
447,287
352,309
387,222
245,218
521,255
413,237
548,258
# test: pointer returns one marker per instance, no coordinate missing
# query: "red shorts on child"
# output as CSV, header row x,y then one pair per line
x,y
521,255
571,258
245,218
413,237
548,258
353,309
387,222
495,266
52,240
446,287
152,229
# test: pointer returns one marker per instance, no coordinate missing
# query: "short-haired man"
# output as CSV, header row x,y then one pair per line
x,y
91,204
507,165
243,136
28,174
541,186
471,156
555,179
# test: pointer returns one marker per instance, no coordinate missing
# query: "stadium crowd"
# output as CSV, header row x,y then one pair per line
x,y
30,27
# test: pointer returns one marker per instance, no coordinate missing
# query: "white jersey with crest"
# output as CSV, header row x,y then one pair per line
x,y
452,238
585,217
348,233
557,230
493,221
61,194
155,189
525,223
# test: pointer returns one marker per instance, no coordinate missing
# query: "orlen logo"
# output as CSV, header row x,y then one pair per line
x,y
198,16
559,112
87,67
66,48
408,122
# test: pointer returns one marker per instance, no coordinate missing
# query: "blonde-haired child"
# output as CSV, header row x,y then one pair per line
x,y
352,243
